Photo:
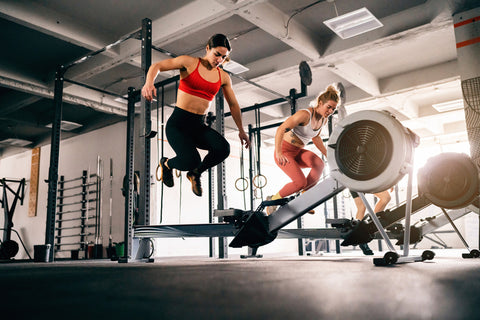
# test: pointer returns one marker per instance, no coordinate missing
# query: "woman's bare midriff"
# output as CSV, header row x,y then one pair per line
x,y
192,103
292,138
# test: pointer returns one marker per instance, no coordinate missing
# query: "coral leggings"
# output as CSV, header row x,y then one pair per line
x,y
299,158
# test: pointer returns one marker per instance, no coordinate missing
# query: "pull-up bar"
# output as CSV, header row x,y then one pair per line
x,y
94,53
229,72
94,88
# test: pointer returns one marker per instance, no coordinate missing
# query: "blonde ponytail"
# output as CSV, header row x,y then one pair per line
x,y
330,93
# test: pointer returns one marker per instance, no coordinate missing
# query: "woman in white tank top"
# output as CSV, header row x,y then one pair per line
x,y
292,136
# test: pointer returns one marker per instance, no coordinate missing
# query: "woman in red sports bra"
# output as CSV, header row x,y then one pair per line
x,y
200,80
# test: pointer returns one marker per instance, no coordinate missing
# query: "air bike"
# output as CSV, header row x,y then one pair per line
x,y
368,152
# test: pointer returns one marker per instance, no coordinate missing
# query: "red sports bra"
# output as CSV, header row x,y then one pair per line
x,y
197,86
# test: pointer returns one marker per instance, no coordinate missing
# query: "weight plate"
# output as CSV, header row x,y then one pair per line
x,y
8,249
305,73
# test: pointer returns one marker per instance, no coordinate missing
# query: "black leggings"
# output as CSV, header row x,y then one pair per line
x,y
186,132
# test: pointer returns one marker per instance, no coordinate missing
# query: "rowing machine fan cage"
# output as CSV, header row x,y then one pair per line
x,y
370,151
449,180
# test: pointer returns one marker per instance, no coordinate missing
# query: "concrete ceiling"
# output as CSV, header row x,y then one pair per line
x,y
405,66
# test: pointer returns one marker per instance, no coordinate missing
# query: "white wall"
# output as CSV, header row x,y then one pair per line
x,y
76,154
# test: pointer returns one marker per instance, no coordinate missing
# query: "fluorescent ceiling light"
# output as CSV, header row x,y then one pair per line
x,y
16,142
353,23
67,125
449,105
235,67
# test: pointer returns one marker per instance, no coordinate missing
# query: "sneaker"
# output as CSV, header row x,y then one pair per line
x,y
365,248
270,209
167,175
195,180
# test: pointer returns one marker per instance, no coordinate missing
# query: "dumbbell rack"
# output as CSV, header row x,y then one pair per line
x,y
78,213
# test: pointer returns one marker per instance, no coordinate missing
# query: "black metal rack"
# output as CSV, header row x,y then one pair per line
x,y
78,214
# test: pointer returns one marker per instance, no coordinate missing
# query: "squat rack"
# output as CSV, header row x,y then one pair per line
x,y
56,133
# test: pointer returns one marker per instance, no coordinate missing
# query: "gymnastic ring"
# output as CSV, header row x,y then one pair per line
x,y
156,173
244,182
258,176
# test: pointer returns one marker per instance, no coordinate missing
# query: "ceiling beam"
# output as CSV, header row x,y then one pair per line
x,y
402,104
435,123
72,94
40,18
358,76
21,122
343,54
273,21
400,27
195,15
14,101
348,56
399,102
418,77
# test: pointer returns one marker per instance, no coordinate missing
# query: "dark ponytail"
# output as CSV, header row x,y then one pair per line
x,y
219,40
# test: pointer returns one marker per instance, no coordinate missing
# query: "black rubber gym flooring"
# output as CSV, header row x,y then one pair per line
x,y
327,287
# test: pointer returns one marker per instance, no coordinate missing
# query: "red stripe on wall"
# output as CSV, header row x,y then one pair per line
x,y
459,24
468,42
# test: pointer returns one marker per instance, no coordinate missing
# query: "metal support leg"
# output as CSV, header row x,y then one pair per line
x,y
392,257
128,235
455,228
377,222
471,253
221,193
54,157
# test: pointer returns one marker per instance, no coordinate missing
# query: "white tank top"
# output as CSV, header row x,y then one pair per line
x,y
306,133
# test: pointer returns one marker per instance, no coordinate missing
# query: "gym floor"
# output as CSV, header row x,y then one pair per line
x,y
321,287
